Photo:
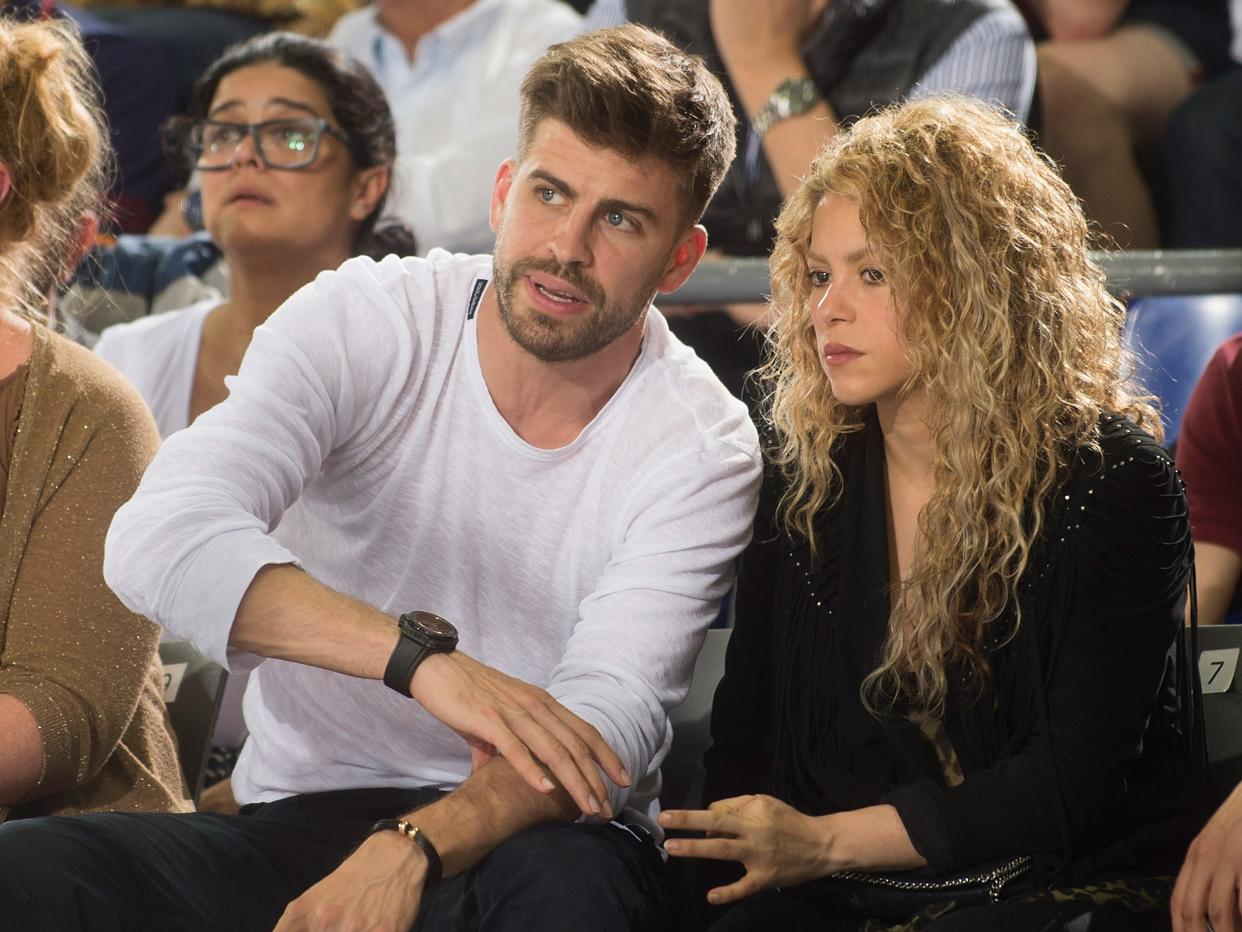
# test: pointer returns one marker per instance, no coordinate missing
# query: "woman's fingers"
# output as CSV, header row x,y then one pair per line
x,y
700,820
743,888
716,849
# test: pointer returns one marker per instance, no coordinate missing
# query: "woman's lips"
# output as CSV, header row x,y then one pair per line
x,y
836,354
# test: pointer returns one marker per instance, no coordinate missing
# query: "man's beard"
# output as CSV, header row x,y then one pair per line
x,y
549,339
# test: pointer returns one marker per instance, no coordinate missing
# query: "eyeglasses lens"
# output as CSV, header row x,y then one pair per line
x,y
281,143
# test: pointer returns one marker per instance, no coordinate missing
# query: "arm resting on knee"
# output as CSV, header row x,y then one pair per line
x,y
21,751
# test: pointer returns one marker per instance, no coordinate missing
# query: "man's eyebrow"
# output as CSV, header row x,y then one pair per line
x,y
551,179
277,101
611,203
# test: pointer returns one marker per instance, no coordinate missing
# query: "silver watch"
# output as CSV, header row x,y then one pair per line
x,y
792,97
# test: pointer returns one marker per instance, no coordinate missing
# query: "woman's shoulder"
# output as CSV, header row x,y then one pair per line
x,y
76,385
150,341
1123,455
1125,492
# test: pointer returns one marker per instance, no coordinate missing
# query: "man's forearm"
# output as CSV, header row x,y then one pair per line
x,y
288,615
792,143
494,804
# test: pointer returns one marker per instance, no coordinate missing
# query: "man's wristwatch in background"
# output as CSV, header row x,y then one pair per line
x,y
792,97
420,635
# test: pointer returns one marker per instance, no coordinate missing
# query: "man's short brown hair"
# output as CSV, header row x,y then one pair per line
x,y
630,90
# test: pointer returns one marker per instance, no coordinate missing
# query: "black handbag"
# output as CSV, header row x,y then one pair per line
x,y
899,895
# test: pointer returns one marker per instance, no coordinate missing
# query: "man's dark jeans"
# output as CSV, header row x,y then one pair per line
x,y
205,871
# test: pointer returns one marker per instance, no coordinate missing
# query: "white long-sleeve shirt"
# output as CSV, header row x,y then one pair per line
x,y
359,441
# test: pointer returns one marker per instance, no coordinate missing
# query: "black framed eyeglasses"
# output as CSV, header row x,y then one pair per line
x,y
282,144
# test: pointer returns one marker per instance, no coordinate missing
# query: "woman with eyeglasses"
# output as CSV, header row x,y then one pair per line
x,y
958,694
294,144
82,720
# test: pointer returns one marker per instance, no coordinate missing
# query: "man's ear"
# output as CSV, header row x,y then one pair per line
x,y
369,186
684,259
500,192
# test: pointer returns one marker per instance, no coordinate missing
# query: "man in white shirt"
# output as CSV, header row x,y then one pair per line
x,y
514,443
451,70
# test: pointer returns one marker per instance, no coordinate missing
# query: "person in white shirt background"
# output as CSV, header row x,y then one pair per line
x,y
294,144
451,70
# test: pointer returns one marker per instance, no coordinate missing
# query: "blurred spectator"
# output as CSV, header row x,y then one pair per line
x,y
309,17
1209,454
1110,75
137,276
824,64
146,62
255,191
451,70
1203,161
82,719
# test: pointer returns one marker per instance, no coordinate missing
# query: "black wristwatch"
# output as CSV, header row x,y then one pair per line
x,y
421,634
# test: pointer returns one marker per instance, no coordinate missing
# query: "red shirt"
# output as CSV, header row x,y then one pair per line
x,y
1209,449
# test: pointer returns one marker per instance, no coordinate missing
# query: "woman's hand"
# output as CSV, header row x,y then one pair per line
x,y
779,846
1208,886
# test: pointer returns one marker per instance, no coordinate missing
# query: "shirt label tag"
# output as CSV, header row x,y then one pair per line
x,y
174,673
480,285
1217,669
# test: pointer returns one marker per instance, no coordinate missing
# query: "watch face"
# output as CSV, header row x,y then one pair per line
x,y
434,625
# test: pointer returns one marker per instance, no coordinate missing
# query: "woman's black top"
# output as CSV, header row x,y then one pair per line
x,y
1075,743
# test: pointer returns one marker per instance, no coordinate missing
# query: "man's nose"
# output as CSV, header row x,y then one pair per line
x,y
570,242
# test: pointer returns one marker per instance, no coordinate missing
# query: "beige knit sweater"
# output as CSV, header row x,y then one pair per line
x,y
87,668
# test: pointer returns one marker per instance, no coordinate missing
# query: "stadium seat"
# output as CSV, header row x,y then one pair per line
x,y
682,769
1173,338
193,688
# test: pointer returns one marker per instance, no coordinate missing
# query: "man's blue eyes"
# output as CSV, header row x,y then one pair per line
x,y
614,218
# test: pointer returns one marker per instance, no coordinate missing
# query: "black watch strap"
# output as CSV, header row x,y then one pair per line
x,y
406,657
435,868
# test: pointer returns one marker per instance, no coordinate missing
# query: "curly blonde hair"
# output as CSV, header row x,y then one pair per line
x,y
54,143
1012,337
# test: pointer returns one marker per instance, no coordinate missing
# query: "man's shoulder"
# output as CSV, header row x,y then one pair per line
x,y
681,396
524,28
438,274
354,31
366,302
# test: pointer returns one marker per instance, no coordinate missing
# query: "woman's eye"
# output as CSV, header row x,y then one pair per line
x,y
873,276
819,278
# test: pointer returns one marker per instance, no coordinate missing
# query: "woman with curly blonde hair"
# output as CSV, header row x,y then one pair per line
x,y
970,564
